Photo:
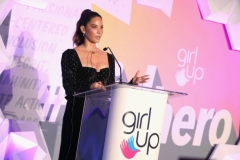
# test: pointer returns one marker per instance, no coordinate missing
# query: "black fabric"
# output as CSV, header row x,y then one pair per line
x,y
76,79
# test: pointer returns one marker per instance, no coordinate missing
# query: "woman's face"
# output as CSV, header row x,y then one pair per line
x,y
94,30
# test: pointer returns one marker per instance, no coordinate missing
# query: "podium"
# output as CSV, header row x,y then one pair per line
x,y
122,121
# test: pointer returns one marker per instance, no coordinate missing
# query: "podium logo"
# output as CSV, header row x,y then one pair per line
x,y
138,124
188,70
128,148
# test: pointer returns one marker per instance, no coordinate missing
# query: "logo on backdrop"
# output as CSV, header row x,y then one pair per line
x,y
189,69
139,125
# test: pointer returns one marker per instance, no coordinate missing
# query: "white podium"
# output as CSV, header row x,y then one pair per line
x,y
122,122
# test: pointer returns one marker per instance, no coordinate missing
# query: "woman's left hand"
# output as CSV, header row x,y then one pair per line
x,y
139,79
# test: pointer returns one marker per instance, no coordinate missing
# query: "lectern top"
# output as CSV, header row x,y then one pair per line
x,y
106,92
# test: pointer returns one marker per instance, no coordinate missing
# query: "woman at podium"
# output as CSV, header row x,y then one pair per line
x,y
84,68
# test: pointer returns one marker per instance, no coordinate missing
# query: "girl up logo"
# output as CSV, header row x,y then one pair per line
x,y
188,70
144,139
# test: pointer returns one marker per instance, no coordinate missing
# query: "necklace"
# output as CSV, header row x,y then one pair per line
x,y
89,50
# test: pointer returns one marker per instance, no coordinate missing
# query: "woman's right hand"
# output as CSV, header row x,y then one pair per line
x,y
97,85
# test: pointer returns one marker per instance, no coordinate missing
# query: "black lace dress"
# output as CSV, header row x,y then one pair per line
x,y
76,79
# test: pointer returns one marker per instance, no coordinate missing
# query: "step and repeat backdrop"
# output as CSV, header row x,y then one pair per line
x,y
190,46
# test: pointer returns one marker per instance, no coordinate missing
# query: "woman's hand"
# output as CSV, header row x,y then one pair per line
x,y
97,85
139,79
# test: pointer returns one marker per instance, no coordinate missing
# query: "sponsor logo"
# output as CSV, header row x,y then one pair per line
x,y
189,69
128,148
138,124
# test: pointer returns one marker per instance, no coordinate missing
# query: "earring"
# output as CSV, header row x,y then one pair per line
x,y
83,34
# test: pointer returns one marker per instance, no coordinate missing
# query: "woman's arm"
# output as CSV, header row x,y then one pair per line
x,y
69,74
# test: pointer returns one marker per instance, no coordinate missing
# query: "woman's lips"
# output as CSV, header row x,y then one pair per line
x,y
98,37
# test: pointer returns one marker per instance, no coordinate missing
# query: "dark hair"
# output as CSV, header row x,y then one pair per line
x,y
86,17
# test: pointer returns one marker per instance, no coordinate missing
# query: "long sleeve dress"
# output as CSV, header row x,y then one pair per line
x,y
76,79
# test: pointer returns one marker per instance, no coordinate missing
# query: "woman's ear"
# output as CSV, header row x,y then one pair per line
x,y
82,28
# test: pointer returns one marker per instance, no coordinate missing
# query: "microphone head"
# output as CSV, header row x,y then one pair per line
x,y
105,48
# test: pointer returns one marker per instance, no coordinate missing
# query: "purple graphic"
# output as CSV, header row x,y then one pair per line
x,y
21,145
128,148
225,12
165,6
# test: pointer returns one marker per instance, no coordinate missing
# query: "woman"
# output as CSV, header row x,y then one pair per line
x,y
84,68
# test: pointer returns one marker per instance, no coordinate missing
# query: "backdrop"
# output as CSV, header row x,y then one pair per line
x,y
191,46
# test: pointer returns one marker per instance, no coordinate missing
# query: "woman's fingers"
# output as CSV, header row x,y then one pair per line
x,y
145,76
142,79
136,75
100,85
96,85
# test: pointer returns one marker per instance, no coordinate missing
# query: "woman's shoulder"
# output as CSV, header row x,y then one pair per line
x,y
68,55
69,51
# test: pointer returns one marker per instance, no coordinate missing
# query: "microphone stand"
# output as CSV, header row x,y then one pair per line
x,y
120,79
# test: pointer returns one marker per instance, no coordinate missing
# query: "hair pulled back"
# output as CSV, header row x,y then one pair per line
x,y
86,17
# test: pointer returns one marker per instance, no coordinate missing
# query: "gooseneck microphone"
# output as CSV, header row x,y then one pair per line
x,y
120,79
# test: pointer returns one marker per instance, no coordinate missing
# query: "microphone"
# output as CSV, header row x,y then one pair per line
x,y
120,79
